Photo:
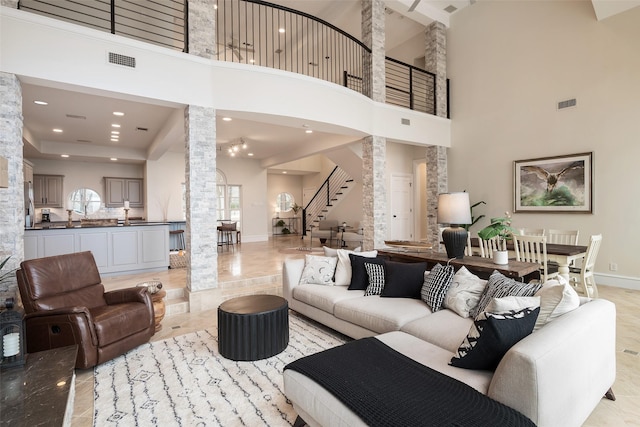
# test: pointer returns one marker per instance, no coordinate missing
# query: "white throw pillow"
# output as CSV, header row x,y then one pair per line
x,y
318,270
334,252
556,299
464,292
343,269
512,303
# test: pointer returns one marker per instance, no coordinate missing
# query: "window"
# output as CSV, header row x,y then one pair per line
x,y
229,198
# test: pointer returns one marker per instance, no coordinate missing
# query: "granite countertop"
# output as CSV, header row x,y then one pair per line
x,y
58,225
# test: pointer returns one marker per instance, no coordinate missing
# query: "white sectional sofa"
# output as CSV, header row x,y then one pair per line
x,y
555,376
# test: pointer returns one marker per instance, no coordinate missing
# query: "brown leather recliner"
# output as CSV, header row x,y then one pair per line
x,y
65,304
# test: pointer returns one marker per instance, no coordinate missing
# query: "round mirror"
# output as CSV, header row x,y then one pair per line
x,y
84,201
284,202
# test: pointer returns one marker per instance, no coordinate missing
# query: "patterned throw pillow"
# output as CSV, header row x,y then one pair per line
x,y
464,292
376,278
318,270
491,336
501,286
435,286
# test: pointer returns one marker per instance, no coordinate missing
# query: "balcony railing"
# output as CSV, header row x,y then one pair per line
x,y
254,32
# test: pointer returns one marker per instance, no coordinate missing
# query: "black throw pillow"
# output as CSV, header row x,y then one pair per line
x,y
359,277
403,280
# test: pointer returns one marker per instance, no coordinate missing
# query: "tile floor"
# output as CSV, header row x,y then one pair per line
x,y
240,267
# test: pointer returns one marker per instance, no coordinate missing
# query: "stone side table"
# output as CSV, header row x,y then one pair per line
x,y
253,327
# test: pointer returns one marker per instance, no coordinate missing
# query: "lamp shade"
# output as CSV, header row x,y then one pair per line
x,y
454,208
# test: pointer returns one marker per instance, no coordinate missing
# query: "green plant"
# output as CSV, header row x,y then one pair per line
x,y
7,275
296,208
500,227
286,231
280,223
474,219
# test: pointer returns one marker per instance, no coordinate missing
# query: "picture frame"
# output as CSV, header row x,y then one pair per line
x,y
554,184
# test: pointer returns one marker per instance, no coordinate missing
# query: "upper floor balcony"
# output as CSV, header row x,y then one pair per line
x,y
255,33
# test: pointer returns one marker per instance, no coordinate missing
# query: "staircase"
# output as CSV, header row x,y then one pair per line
x,y
334,189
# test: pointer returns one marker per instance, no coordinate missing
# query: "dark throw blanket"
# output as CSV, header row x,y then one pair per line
x,y
387,388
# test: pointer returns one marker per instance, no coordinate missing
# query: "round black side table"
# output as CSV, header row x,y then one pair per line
x,y
253,327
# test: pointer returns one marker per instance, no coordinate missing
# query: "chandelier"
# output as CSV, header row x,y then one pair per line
x,y
236,147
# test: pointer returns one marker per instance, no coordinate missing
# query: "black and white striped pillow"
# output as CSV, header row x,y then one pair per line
x,y
500,286
376,278
435,286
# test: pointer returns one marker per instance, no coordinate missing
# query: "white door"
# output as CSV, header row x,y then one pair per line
x,y
401,207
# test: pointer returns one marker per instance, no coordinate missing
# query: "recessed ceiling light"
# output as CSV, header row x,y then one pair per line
x,y
281,30
227,119
115,132
57,130
284,171
115,125
114,159
41,102
118,113
64,155
308,131
250,154
114,140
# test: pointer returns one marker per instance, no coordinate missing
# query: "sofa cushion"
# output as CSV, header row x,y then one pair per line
x,y
443,328
464,292
380,314
491,336
323,297
555,300
359,276
375,272
501,286
435,286
318,270
403,280
343,269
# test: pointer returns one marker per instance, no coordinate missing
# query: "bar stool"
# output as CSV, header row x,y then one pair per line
x,y
180,236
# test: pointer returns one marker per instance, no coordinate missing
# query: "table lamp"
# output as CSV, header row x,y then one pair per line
x,y
454,209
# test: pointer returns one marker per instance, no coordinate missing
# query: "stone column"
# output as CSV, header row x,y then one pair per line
x,y
201,231
202,28
11,198
437,181
374,148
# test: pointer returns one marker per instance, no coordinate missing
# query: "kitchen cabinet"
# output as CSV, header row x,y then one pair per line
x,y
117,190
27,171
47,191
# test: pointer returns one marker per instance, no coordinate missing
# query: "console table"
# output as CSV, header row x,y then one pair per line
x,y
41,392
483,267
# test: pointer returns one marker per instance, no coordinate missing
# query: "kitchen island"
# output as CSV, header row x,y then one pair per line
x,y
137,248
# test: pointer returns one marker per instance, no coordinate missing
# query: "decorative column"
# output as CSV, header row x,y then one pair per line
x,y
437,181
202,28
11,198
201,231
374,148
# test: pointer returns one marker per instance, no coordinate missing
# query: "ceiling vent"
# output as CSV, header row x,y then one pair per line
x,y
74,116
125,61
142,129
451,8
567,104
86,141
405,122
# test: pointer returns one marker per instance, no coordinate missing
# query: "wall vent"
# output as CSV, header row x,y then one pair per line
x,y
567,104
405,122
86,141
125,61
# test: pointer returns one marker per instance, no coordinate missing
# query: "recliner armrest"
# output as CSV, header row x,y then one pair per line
x,y
80,316
120,296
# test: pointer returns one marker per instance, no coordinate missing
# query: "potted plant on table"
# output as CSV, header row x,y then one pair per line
x,y
501,229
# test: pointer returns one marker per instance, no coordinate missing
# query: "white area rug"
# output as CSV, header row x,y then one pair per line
x,y
183,381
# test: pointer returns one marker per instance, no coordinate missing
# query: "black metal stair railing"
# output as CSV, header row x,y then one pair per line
x,y
322,201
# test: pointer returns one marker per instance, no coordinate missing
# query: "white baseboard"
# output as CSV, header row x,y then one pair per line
x,y
618,281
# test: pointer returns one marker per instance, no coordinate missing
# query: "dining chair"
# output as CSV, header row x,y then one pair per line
x,y
584,276
534,249
563,237
488,247
532,231
468,250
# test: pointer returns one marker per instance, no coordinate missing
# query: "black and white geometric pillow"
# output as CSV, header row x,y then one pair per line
x,y
376,278
501,286
491,336
435,286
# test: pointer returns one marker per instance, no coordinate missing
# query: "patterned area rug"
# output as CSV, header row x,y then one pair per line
x,y
183,381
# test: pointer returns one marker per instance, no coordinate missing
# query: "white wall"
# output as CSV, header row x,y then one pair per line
x,y
283,183
509,64
87,175
164,189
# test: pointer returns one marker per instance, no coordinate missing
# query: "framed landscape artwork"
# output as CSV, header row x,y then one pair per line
x,y
554,184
